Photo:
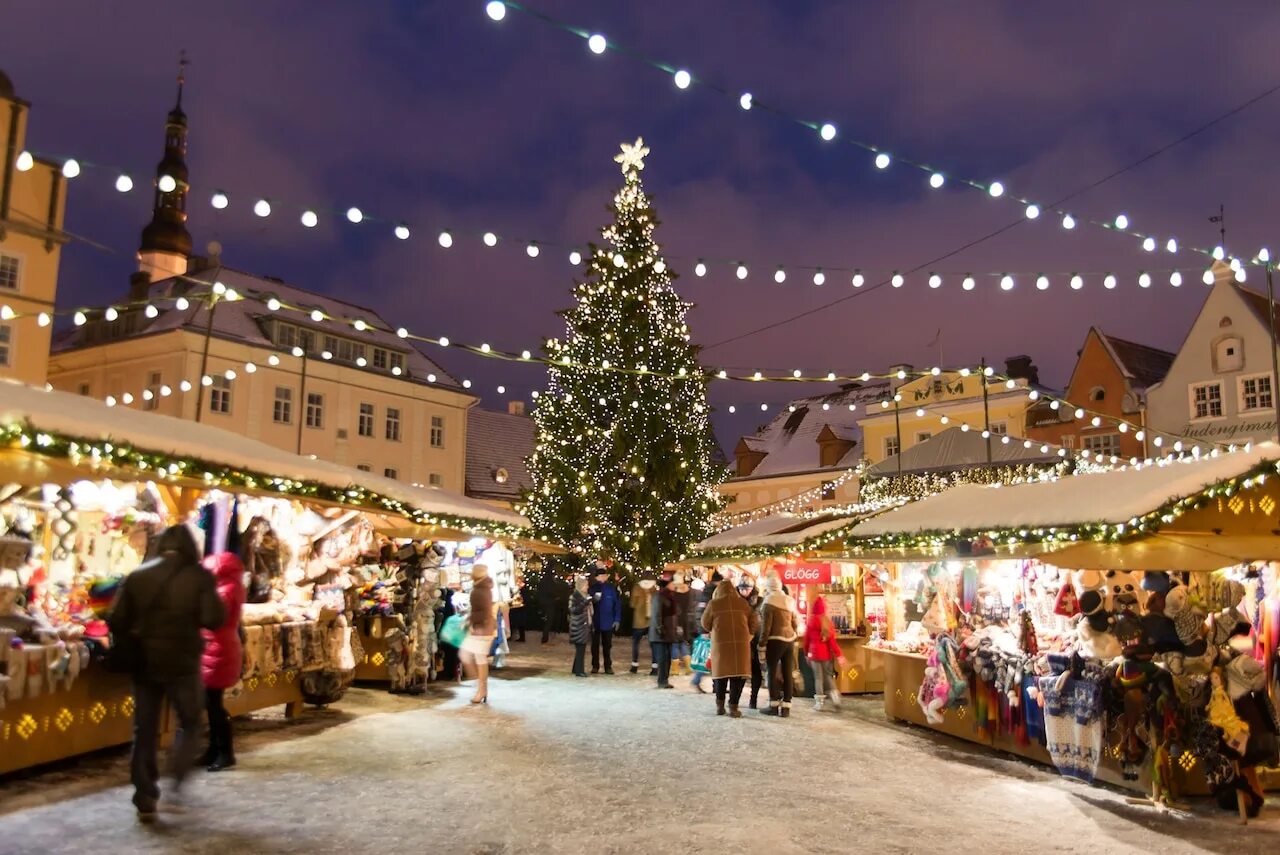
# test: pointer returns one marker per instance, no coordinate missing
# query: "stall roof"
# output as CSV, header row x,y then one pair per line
x,y
85,418
1112,497
955,448
774,535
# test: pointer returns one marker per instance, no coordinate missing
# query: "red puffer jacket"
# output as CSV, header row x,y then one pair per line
x,y
222,658
820,635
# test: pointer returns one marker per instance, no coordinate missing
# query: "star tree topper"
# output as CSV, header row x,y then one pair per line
x,y
632,156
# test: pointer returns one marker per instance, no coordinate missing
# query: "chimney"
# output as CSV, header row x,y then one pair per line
x,y
139,286
515,408
1022,368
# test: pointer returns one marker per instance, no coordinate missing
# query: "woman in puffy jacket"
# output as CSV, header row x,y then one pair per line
x,y
222,658
580,619
822,651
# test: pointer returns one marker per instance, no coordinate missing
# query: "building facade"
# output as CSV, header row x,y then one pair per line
x,y
33,196
498,444
1221,386
913,411
1111,377
307,373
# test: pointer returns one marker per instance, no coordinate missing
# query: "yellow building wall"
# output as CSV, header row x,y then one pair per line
x,y
751,493
957,398
32,206
127,366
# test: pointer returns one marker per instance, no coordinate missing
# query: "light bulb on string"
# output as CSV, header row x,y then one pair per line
x,y
1109,282
124,184
182,304
969,283
1068,222
1219,253
1042,283
532,250
1077,282
445,239
496,10
167,184
1175,279
827,131
1171,245
935,281
262,208
309,219
700,269
1033,212
883,160
1122,222
898,280
402,231
1240,275
71,168
858,279
355,215
742,271
1207,277
936,180
780,276
819,277
1264,255
683,79
219,200
1144,280
24,162
1006,283
744,100
996,189
1149,244
575,258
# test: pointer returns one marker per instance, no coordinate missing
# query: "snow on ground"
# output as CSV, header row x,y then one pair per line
x,y
604,765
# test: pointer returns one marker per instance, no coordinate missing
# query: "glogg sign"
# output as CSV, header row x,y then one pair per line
x,y
805,572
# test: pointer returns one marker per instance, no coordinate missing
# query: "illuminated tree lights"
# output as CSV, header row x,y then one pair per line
x,y
623,466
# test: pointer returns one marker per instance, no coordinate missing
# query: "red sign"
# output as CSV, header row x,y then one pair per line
x,y
806,573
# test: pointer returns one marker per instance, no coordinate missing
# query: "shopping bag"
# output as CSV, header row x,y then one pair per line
x,y
453,631
700,656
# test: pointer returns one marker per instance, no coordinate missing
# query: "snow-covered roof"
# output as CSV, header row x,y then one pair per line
x,y
790,440
955,448
242,320
1112,497
784,531
498,441
89,419
1143,366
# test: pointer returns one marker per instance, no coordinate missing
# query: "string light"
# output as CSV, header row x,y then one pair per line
x,y
124,183
262,208
597,43
496,10
219,200
24,162
310,219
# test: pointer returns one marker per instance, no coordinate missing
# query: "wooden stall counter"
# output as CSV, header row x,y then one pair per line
x,y
95,712
864,673
903,674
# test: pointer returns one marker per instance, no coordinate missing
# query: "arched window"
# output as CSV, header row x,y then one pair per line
x,y
1097,393
1228,354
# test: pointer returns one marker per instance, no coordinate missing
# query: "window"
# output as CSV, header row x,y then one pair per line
x,y
349,351
435,480
923,436
1228,354
282,409
379,358
999,428
219,394
331,344
828,490
390,473
286,336
307,341
1255,393
6,344
891,446
364,467
10,270
437,432
393,424
365,427
1069,440
315,410
153,386
1097,393
1104,444
1206,400
397,363
84,389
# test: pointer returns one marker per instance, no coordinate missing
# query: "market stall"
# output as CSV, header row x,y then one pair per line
x,y
1103,623
85,487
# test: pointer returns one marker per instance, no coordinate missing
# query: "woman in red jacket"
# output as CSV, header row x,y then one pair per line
x,y
823,651
222,658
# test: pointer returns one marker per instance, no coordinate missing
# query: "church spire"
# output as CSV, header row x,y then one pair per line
x,y
166,243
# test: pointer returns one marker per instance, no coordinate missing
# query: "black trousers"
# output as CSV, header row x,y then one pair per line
x,y
757,674
579,655
733,685
662,655
780,662
517,620
602,638
545,611
220,747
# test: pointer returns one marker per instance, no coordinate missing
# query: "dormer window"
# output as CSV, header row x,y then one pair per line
x,y
1228,354
1097,393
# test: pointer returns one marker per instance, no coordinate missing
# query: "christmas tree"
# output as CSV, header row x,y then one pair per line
x,y
623,467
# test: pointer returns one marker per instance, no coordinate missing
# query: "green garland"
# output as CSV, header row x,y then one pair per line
x,y
216,476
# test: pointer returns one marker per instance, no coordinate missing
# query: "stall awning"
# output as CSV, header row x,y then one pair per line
x,y
1160,551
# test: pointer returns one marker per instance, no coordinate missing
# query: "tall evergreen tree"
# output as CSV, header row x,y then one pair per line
x,y
624,465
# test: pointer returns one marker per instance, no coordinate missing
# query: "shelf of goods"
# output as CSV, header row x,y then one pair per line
x,y
85,489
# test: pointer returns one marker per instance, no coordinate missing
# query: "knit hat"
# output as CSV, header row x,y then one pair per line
x,y
1156,581
772,581
478,572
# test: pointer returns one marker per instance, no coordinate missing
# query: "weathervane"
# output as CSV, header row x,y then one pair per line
x,y
632,156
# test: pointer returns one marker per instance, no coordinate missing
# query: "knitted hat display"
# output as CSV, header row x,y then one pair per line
x,y
1091,608
1067,604
1156,581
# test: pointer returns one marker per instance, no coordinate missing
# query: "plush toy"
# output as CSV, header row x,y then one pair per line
x,y
1124,590
1093,631
1087,580
1067,603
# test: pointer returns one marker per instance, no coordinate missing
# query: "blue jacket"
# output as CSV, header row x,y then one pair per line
x,y
608,605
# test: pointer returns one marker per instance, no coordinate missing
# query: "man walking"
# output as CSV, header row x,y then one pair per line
x,y
608,614
663,629
162,606
641,594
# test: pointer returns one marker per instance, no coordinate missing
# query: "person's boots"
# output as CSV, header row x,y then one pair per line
x,y
734,712
225,758
719,706
773,709
688,667
817,703
635,667
785,710
754,701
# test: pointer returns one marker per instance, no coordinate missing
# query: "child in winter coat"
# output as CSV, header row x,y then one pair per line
x,y
823,652
222,658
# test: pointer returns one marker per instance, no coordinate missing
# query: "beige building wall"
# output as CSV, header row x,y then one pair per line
x,y
133,365
32,205
751,493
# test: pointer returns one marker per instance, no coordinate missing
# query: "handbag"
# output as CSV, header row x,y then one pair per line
x,y
453,631
127,654
700,656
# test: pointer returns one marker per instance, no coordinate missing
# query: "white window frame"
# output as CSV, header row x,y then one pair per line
x,y
437,431
435,479
1191,400
381,359
892,446
17,276
999,429
1091,444
923,436
155,380
282,406
9,346
314,414
220,393
1270,393
394,422
364,420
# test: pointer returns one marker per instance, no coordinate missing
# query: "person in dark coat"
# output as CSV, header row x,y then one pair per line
x,y
164,604
547,597
580,624
519,610
450,665
607,605
664,628
747,590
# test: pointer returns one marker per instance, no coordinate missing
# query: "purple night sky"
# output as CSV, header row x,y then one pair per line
x,y
431,113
